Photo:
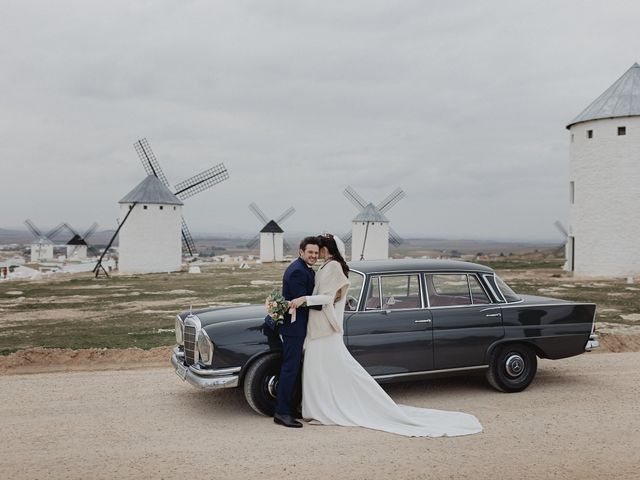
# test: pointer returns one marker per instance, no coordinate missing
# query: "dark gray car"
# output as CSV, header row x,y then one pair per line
x,y
404,320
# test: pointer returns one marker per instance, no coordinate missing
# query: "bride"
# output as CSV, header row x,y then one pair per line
x,y
336,389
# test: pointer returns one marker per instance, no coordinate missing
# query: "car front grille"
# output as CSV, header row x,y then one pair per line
x,y
190,344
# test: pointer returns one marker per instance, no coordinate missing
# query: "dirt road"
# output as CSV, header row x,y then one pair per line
x,y
579,419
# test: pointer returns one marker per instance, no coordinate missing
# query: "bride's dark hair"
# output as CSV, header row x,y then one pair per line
x,y
327,240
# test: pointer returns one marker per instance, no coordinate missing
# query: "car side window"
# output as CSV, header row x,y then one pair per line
x,y
353,295
400,292
446,289
373,294
478,295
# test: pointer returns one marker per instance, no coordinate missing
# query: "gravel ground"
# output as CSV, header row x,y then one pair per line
x,y
580,419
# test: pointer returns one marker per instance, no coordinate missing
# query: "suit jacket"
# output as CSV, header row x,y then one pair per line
x,y
297,281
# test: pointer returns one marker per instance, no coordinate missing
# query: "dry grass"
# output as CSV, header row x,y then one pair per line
x,y
78,311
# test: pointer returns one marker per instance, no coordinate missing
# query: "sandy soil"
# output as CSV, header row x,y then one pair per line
x,y
579,419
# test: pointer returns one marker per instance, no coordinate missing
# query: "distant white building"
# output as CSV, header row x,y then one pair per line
x,y
370,235
271,243
77,248
41,250
604,183
150,239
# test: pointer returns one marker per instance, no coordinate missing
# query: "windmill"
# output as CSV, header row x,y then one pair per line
x,y
370,233
183,190
42,245
77,247
270,236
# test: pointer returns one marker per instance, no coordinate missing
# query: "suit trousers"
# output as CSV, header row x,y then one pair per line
x,y
289,375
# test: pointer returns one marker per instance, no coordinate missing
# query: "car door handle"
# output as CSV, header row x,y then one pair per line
x,y
422,321
493,315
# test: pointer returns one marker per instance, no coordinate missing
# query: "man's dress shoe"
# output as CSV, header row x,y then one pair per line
x,y
286,420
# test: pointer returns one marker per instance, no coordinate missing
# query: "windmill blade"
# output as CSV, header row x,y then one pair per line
x,y
346,239
149,161
71,229
90,231
54,231
290,211
558,224
394,238
202,181
356,199
34,230
258,213
254,242
393,198
187,240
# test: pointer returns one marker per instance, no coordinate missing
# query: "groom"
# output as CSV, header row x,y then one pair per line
x,y
297,281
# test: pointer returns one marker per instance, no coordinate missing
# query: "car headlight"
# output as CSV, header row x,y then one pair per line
x,y
205,348
179,331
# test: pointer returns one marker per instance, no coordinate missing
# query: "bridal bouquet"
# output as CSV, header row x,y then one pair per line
x,y
277,306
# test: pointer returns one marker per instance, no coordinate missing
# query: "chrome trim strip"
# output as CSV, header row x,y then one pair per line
x,y
205,383
364,280
429,372
495,295
213,372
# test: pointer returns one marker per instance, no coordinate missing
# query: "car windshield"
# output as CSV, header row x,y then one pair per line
x,y
508,294
353,295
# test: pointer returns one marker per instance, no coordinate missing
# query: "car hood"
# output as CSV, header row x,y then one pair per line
x,y
216,315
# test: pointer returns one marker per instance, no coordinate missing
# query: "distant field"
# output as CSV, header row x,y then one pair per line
x,y
138,311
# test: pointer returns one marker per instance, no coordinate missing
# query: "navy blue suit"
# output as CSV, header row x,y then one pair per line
x,y
298,280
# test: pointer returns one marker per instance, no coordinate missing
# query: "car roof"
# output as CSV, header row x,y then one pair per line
x,y
416,264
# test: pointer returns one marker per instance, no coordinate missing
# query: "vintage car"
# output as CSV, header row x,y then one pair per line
x,y
404,320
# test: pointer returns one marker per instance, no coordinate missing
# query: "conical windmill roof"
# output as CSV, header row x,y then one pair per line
x,y
271,227
370,214
76,240
151,190
622,99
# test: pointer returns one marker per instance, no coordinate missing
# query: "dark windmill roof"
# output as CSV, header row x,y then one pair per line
x,y
370,214
622,99
271,227
76,240
151,190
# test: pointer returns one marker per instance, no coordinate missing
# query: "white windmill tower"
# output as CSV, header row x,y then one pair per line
x,y
370,231
42,245
77,246
149,240
604,179
271,235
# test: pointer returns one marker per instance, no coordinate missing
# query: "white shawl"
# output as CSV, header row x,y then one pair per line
x,y
330,281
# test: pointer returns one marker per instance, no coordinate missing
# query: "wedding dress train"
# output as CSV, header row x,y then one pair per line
x,y
337,390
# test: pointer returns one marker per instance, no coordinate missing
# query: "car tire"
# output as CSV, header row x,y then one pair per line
x,y
512,367
261,383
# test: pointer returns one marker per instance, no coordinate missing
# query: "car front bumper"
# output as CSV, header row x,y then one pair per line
x,y
204,378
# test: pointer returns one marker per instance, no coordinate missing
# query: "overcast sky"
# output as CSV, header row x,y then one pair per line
x,y
463,104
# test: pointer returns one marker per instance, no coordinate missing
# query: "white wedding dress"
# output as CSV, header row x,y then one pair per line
x,y
337,390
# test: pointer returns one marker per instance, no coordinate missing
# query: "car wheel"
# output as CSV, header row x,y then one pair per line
x,y
261,383
512,368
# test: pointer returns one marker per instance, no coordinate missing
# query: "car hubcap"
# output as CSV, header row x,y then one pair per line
x,y
272,386
514,365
